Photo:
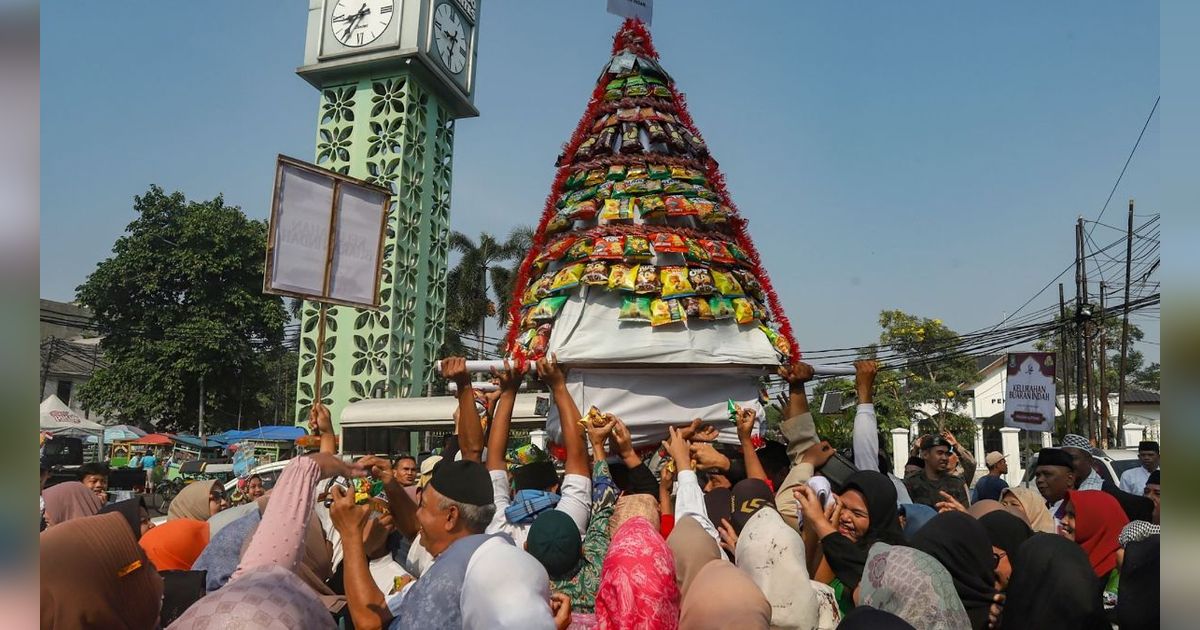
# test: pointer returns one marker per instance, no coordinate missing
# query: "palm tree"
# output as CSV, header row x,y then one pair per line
x,y
490,264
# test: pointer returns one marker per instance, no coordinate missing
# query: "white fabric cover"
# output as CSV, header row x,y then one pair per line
x,y
649,400
587,330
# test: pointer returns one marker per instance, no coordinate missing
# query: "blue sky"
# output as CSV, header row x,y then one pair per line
x,y
927,156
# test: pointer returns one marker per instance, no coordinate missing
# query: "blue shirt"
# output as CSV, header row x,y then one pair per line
x,y
988,487
148,462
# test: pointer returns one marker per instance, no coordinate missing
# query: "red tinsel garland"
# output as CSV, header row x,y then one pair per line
x,y
716,182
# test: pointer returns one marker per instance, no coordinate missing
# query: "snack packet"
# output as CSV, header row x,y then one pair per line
x,y
548,308
675,282
628,114
594,177
635,308
636,171
669,243
558,223
616,173
558,248
595,273
717,251
608,248
630,142
622,277
695,252
722,307
702,280
567,277
679,206
647,279
659,171
743,311
726,284
604,142
637,248
661,313
651,208
542,286
580,250
616,210
584,211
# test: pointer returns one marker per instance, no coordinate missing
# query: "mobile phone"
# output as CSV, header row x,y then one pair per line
x,y
838,470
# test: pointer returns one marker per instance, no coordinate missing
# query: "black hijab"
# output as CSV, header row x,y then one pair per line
x,y
847,559
129,510
1138,605
868,618
1053,586
1006,531
962,545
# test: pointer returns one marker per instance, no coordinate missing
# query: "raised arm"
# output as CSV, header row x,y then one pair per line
x,y
510,382
796,376
866,426
321,424
598,436
745,425
689,498
641,480
367,604
568,416
468,427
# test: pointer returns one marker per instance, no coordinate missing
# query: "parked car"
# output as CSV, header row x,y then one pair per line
x,y
268,472
1110,465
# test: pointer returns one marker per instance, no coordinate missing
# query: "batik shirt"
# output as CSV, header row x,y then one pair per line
x,y
582,587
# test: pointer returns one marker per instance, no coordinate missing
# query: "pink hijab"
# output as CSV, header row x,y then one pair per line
x,y
637,582
69,500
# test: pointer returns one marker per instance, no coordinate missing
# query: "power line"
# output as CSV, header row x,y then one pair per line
x,y
1127,160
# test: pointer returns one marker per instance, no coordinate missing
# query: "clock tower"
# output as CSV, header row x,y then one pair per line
x,y
393,76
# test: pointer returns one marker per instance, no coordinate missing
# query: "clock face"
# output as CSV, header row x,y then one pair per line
x,y
450,37
357,23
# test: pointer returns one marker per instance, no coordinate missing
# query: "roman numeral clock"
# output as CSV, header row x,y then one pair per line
x,y
393,76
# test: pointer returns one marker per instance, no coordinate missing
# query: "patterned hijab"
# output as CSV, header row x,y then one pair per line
x,y
913,586
631,505
192,501
637,584
772,553
1034,507
69,500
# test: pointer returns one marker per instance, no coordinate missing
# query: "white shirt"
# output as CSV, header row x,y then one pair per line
x,y
1134,480
689,500
504,587
1092,482
866,448
576,502
1054,512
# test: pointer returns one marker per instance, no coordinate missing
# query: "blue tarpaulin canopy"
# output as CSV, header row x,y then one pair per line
x,y
286,433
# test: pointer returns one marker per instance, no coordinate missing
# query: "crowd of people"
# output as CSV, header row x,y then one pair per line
x,y
488,534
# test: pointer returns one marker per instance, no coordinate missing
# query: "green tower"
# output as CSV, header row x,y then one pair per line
x,y
393,77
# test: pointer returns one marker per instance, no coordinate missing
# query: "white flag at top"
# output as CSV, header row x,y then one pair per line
x,y
641,9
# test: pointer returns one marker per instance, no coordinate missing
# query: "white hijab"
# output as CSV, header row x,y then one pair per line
x,y
505,587
773,554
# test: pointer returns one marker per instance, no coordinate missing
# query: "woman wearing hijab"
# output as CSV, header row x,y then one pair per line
x,y
266,576
1006,532
175,545
1094,520
961,544
637,583
1028,504
912,585
915,515
692,549
134,512
984,506
1052,586
94,575
773,555
199,500
867,514
69,500
721,597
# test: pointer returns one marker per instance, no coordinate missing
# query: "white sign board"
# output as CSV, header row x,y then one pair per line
x,y
640,9
325,241
1029,395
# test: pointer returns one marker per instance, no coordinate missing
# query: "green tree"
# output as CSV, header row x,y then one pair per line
x,y
180,302
933,376
486,270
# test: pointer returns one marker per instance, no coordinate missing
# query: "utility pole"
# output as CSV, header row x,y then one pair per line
x,y
201,427
1125,332
1080,292
1104,434
1063,362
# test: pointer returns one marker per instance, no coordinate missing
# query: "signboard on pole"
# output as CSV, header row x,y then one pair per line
x,y
325,240
1029,396
640,9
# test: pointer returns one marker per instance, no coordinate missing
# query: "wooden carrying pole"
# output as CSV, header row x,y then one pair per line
x,y
1124,333
1103,384
320,354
